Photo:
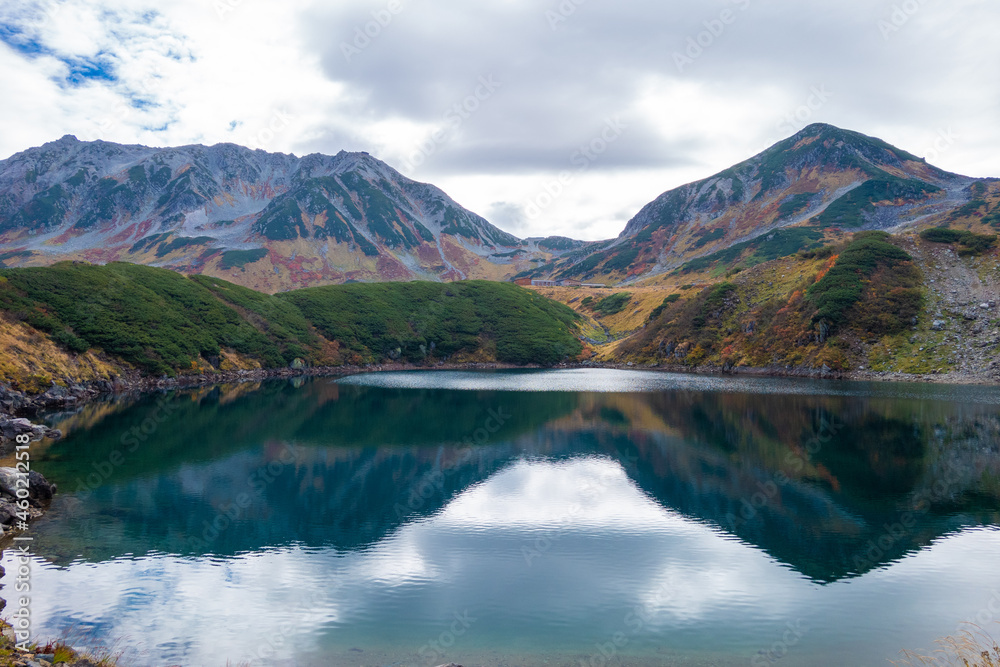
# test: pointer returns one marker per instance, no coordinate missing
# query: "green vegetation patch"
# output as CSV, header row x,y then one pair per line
x,y
417,320
850,209
77,179
969,209
166,248
673,298
512,253
716,234
557,243
776,244
162,322
713,301
972,244
237,259
48,208
795,204
145,244
458,225
153,318
622,261
613,304
585,267
277,318
281,220
844,285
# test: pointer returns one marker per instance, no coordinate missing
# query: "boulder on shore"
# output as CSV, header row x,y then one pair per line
x,y
40,490
11,428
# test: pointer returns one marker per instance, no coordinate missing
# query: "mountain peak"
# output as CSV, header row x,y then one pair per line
x,y
823,179
870,149
814,129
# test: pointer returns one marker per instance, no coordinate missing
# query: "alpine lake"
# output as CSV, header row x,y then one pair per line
x,y
561,518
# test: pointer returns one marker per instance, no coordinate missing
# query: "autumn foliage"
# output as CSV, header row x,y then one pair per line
x,y
869,287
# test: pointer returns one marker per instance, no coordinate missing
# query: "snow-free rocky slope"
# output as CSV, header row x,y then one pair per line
x,y
265,220
819,184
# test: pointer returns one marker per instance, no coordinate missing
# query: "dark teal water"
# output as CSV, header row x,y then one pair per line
x,y
522,518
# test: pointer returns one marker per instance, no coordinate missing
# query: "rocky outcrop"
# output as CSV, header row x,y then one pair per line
x,y
15,431
14,402
39,493
11,428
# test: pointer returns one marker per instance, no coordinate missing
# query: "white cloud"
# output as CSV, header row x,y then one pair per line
x,y
277,77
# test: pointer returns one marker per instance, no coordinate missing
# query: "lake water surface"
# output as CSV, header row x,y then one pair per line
x,y
522,518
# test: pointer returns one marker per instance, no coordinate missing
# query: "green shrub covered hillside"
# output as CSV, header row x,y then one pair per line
x,y
163,322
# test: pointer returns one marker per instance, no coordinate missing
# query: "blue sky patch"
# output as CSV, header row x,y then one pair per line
x,y
82,70
16,39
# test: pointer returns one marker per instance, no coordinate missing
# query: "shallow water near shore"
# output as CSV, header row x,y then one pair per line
x,y
590,517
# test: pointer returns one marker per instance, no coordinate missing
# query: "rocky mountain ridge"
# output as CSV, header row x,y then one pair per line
x,y
275,222
271,221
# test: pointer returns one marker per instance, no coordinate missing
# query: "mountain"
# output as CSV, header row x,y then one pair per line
x,y
276,222
815,185
268,221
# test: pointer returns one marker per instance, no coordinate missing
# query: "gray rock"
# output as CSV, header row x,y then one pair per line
x,y
8,512
39,488
8,481
12,428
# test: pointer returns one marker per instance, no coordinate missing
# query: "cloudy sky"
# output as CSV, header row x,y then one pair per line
x,y
545,116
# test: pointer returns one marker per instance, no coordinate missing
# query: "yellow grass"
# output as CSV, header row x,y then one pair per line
x,y
31,362
971,647
644,300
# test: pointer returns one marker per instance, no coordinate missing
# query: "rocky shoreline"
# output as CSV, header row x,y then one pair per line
x,y
36,491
